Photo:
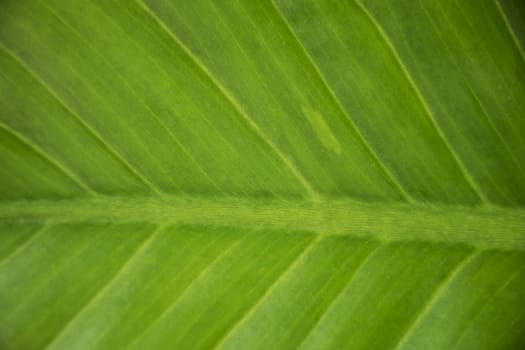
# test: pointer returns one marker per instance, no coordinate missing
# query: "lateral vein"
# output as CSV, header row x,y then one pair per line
x,y
289,164
468,177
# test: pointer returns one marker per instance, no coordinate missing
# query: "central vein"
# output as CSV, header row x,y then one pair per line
x,y
485,227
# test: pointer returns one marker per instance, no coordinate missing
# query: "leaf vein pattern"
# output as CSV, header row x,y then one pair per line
x,y
438,291
184,94
496,131
168,309
37,288
96,297
161,291
271,288
291,166
512,92
329,305
38,232
479,312
319,292
509,28
470,89
225,21
49,158
375,157
461,166
81,120
134,92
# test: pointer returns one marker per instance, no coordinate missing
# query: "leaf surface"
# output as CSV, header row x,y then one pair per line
x,y
272,174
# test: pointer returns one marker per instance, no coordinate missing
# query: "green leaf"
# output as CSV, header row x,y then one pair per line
x,y
268,174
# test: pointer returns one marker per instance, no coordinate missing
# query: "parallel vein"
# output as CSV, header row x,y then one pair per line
x,y
462,168
440,289
21,247
271,288
336,100
480,310
79,118
329,306
509,28
48,157
197,278
291,166
135,94
94,299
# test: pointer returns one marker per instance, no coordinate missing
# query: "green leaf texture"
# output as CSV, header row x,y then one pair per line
x,y
274,174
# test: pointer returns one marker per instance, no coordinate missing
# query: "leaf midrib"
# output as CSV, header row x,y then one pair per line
x,y
486,227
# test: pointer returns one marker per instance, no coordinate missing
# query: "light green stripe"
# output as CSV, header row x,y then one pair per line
x,y
483,227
